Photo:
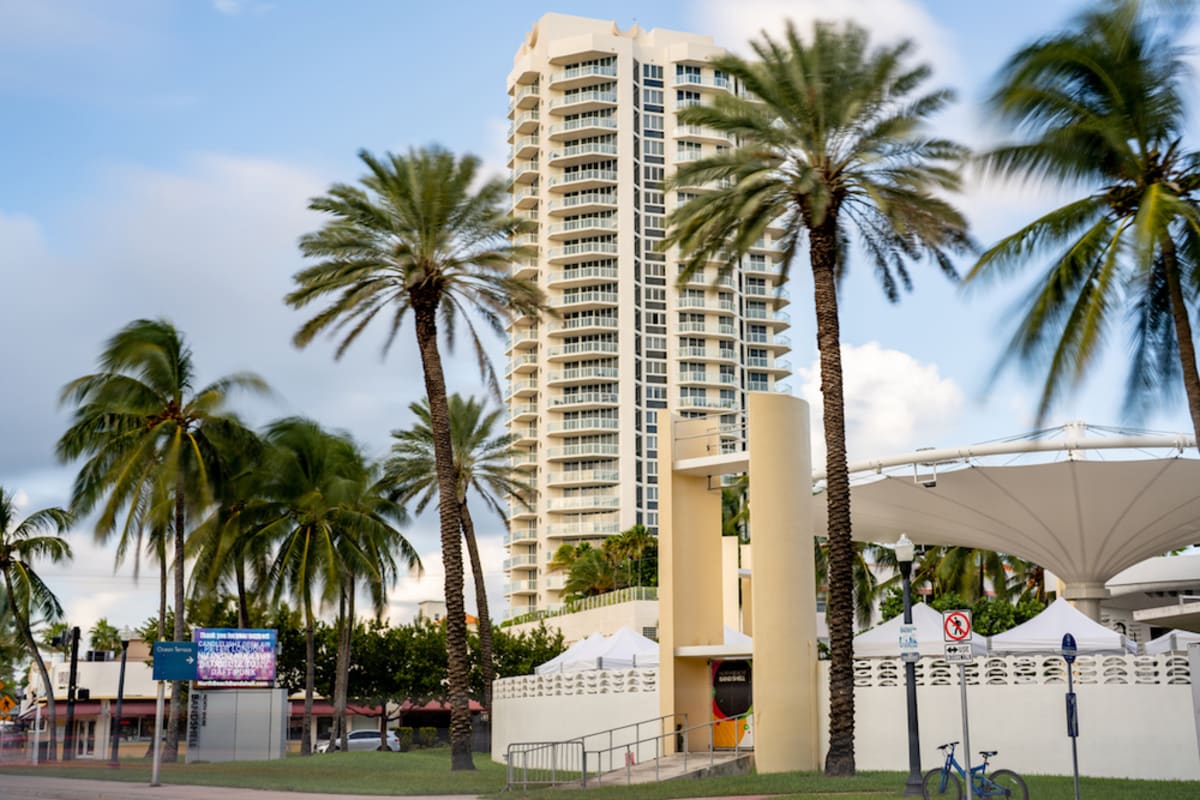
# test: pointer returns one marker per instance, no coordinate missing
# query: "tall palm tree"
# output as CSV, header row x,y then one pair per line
x,y
38,536
314,510
480,463
1100,107
415,237
368,560
151,442
831,147
222,546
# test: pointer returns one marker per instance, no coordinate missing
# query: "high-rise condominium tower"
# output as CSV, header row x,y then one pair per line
x,y
593,134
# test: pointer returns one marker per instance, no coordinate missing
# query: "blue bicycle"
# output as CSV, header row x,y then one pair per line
x,y
947,781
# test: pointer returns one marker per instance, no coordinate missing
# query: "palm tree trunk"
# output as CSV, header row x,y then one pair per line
x,y
488,664
1183,335
170,752
47,686
243,600
162,589
310,678
823,251
450,523
342,667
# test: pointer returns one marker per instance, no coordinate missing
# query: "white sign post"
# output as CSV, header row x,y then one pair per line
x,y
956,630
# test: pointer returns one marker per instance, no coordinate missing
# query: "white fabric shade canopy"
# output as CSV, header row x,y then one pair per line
x,y
883,641
1171,641
1083,520
1044,633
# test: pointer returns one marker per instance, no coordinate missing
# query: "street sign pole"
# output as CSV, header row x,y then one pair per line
x,y
37,728
158,726
173,661
956,631
962,682
1069,651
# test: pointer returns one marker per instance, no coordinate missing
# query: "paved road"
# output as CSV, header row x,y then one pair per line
x,y
34,787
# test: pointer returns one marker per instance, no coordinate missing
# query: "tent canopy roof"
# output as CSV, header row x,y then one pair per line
x,y
1044,633
1083,520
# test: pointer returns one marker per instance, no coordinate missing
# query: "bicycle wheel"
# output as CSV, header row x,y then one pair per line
x,y
932,785
1007,784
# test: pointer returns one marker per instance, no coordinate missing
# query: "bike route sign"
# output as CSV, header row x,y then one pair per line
x,y
956,625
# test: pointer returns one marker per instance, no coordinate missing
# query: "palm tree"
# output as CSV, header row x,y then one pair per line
x,y
315,510
104,635
831,146
631,547
151,440
221,545
735,510
415,237
21,543
480,463
1101,107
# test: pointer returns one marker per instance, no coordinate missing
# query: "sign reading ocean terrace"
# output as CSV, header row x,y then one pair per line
x,y
242,656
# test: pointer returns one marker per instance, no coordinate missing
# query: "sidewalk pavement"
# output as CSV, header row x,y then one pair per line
x,y
35,787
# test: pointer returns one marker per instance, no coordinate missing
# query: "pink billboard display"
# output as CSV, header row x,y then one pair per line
x,y
235,656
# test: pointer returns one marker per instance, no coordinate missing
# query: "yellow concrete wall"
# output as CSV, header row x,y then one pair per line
x,y
782,585
690,585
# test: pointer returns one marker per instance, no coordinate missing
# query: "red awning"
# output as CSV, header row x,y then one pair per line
x,y
91,708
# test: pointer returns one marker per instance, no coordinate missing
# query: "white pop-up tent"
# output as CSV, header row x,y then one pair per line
x,y
582,650
1044,634
625,649
1170,642
883,641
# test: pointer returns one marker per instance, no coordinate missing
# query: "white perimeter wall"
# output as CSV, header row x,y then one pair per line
x,y
1126,730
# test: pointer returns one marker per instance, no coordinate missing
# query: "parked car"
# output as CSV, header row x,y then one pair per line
x,y
365,739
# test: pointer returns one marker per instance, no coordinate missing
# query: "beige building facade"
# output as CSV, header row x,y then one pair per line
x,y
593,135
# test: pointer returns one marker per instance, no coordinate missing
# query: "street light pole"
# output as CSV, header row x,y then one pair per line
x,y
115,750
912,784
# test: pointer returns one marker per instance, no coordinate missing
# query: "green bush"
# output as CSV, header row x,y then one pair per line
x,y
405,735
427,736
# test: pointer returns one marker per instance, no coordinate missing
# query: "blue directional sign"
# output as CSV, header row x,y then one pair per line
x,y
1069,648
175,661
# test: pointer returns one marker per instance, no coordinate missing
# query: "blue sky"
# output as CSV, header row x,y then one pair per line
x,y
157,156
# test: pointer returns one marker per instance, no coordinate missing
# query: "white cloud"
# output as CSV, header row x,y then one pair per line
x,y
893,402
887,20
411,590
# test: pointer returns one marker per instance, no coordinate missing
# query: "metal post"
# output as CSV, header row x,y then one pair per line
x,y
1074,741
962,682
912,785
69,733
158,725
37,728
116,731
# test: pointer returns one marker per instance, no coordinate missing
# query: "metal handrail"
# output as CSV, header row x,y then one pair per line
x,y
680,734
593,760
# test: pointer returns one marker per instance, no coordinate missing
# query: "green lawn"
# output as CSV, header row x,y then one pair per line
x,y
865,786
416,772
428,772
